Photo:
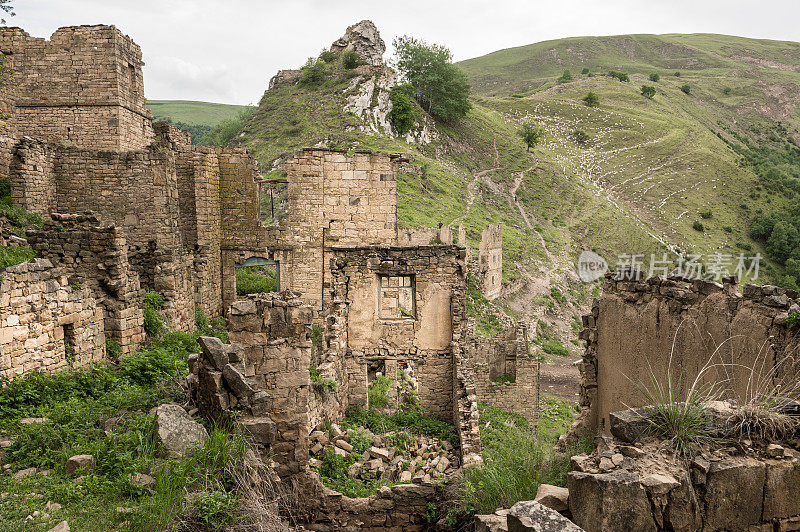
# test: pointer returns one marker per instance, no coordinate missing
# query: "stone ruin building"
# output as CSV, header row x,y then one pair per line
x,y
130,206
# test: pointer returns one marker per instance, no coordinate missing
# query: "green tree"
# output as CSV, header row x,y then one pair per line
x,y
439,86
531,135
565,77
581,137
351,59
585,71
314,72
591,99
648,91
6,6
686,89
654,77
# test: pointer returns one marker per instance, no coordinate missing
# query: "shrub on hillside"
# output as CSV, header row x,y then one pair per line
x,y
705,215
622,76
698,226
227,130
648,91
585,71
726,91
591,99
554,348
531,135
686,89
654,77
677,74
314,72
581,137
403,115
351,59
565,77
327,56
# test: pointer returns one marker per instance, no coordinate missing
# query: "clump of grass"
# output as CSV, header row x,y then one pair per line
x,y
771,397
677,411
516,463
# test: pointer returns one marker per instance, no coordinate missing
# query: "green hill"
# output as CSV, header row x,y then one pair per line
x,y
644,177
194,113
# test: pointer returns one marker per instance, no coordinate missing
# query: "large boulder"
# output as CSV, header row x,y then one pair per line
x,y
734,494
364,38
554,497
606,502
630,425
530,516
176,431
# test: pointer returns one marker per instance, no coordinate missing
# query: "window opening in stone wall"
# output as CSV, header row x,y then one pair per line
x,y
379,385
502,362
257,275
273,201
132,76
396,297
69,343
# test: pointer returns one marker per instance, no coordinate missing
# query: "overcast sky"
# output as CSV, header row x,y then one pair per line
x,y
226,50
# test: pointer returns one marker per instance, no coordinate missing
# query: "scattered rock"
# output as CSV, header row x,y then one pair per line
x,y
78,463
554,497
530,516
24,473
660,484
342,444
176,431
491,523
52,506
606,464
617,459
31,420
775,451
63,526
630,425
143,481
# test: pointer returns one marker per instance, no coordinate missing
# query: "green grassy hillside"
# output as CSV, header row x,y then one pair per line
x,y
647,170
194,113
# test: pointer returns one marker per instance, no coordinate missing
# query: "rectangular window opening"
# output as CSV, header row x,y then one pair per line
x,y
396,297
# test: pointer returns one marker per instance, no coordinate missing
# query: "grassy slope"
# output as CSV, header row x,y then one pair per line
x,y
193,113
649,170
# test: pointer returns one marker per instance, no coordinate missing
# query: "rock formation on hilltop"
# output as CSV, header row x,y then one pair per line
x,y
364,38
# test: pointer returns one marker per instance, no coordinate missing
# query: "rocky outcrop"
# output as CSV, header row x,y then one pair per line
x,y
364,38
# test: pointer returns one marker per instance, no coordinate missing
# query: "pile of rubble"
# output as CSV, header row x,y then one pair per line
x,y
412,458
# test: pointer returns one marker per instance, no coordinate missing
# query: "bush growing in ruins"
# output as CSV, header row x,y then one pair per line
x,y
213,509
410,418
256,279
440,87
377,396
153,303
360,438
323,385
555,348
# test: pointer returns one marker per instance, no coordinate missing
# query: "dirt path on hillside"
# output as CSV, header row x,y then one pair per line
x,y
476,179
561,378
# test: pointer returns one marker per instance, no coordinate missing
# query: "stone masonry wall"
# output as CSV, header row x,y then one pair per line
x,y
42,316
638,325
84,86
31,175
95,256
506,376
490,260
421,342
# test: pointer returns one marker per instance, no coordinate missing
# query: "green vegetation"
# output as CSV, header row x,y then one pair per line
x,y
153,305
591,100
621,76
351,59
554,348
403,114
487,319
697,225
377,396
440,87
581,137
13,256
314,72
256,279
654,77
409,418
194,113
686,89
516,461
565,77
226,131
648,91
531,135
324,385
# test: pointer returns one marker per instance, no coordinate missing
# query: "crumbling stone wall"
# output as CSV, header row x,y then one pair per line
x,y
31,175
425,236
41,314
632,483
506,375
422,339
490,261
639,324
95,256
84,86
